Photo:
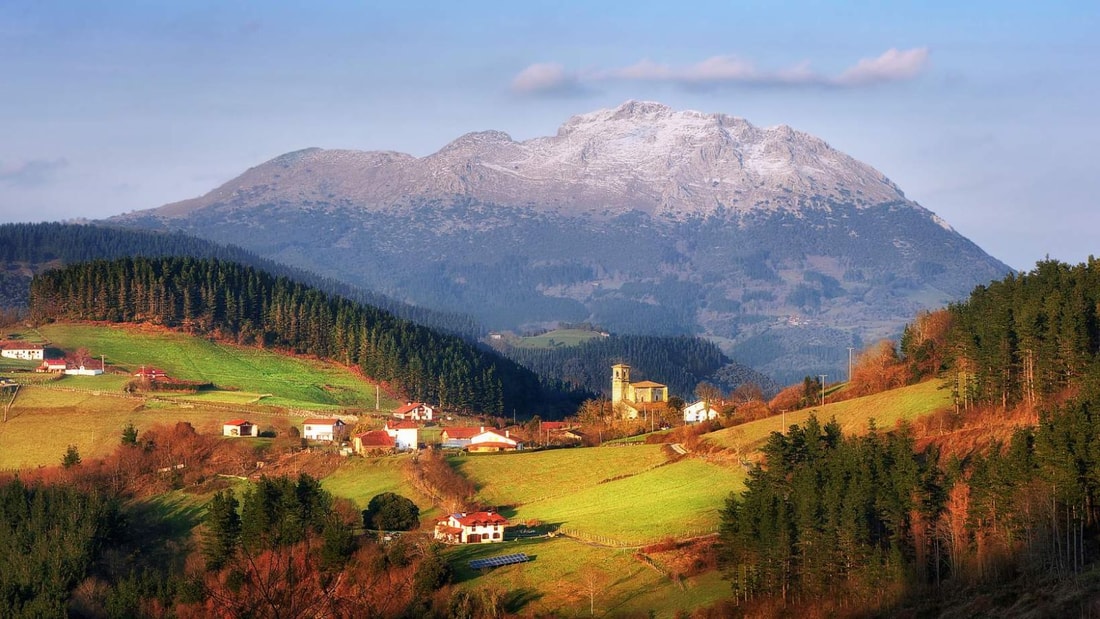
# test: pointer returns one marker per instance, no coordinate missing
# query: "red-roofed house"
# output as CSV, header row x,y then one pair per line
x,y
22,350
150,374
375,441
240,427
324,430
53,365
473,528
417,411
491,441
458,436
406,434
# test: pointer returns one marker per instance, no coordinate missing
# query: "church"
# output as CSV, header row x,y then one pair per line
x,y
632,399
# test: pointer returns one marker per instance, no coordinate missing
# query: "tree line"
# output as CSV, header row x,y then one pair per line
x,y
227,300
42,243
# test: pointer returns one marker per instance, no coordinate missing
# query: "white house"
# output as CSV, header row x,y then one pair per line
x,y
240,427
22,350
488,440
88,367
406,434
324,429
53,365
699,412
474,528
417,411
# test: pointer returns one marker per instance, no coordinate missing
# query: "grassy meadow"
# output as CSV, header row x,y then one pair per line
x,y
620,495
555,339
886,409
279,380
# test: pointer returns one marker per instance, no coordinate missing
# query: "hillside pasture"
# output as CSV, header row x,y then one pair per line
x,y
291,381
43,422
554,339
361,479
615,495
557,581
886,409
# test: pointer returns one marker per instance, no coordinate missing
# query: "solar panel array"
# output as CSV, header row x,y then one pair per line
x,y
519,557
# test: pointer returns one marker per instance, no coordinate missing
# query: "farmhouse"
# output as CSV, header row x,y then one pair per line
x,y
22,350
324,429
699,411
474,528
458,437
375,441
489,441
150,374
52,365
630,399
240,427
417,411
405,434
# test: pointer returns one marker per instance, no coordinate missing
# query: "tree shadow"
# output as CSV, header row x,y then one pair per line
x,y
516,599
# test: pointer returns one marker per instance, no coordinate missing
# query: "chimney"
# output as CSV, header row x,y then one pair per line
x,y
482,429
507,433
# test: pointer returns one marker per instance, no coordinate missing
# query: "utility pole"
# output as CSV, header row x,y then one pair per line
x,y
377,398
822,388
850,349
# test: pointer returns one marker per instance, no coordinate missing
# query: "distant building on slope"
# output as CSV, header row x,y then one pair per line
x,y
22,350
631,399
474,528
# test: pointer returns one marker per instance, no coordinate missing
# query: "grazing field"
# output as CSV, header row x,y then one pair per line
x,y
518,478
620,495
360,479
886,409
555,339
43,422
292,382
563,572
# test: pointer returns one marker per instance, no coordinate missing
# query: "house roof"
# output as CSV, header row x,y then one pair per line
x,y
476,518
411,406
150,372
491,445
322,422
461,432
53,362
403,425
20,346
645,384
237,422
375,438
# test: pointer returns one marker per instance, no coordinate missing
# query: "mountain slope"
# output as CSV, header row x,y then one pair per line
x,y
641,218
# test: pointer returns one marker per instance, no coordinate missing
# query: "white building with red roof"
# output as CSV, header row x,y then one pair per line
x,y
324,430
417,411
471,528
492,441
406,434
53,365
240,427
22,350
374,441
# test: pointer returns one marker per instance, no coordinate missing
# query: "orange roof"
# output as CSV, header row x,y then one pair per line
x,y
403,425
411,406
462,432
237,422
476,518
322,422
20,346
646,384
375,438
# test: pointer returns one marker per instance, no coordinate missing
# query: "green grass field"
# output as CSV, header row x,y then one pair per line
x,y
292,382
553,583
43,422
360,479
555,339
622,494
887,408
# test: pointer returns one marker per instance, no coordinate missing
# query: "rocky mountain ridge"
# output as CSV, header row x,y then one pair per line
x,y
640,219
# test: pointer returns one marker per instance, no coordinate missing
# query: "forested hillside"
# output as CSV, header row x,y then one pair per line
x,y
26,249
231,301
679,362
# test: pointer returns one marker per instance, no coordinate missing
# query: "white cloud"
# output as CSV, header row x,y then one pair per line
x,y
891,65
31,172
545,78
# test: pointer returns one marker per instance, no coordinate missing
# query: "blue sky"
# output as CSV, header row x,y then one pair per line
x,y
983,113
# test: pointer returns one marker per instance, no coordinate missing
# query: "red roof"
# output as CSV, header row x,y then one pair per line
x,y
476,518
461,432
150,372
20,346
321,422
411,406
237,422
375,438
403,425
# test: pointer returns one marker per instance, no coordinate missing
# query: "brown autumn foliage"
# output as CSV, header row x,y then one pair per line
x,y
789,398
877,369
430,474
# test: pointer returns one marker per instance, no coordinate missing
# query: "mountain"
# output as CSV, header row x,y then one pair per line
x,y
642,219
